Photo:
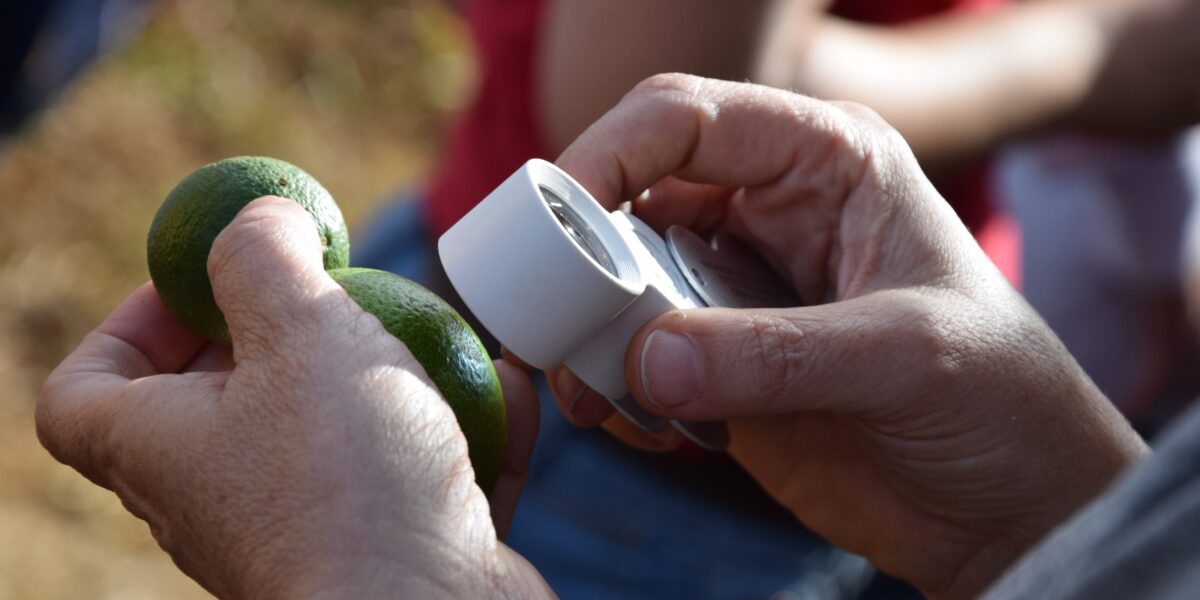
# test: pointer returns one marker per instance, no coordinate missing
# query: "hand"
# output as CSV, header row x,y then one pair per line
x,y
916,410
314,459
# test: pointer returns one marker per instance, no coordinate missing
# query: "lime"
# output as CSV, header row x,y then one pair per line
x,y
449,351
196,211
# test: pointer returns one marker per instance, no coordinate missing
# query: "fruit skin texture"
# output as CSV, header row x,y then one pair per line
x,y
449,351
196,211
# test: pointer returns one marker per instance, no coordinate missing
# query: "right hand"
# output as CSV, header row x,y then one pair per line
x,y
917,411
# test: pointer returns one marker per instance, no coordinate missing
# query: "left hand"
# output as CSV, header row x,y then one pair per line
x,y
315,457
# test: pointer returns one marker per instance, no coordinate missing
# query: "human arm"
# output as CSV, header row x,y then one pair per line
x,y
958,85
954,85
916,410
313,459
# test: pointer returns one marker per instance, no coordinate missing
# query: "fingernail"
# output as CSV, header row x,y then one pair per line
x,y
566,385
575,400
670,369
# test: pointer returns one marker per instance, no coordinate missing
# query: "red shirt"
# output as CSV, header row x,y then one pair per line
x,y
891,12
500,130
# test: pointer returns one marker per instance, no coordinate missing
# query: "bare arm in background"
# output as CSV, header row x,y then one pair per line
x,y
954,86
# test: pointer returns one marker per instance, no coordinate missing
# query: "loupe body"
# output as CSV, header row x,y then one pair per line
x,y
558,280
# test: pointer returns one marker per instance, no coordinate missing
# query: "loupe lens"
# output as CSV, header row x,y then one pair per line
x,y
578,229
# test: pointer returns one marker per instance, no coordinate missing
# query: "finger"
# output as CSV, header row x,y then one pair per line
x,y
153,341
714,364
267,274
80,397
695,206
521,405
514,360
213,358
579,404
696,129
622,429
584,407
77,406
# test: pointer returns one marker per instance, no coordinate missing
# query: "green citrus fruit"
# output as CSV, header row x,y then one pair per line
x,y
449,351
202,205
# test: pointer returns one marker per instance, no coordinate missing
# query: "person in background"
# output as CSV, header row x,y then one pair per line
x,y
955,77
922,414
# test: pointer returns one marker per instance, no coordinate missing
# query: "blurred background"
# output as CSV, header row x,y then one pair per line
x,y
110,103
354,91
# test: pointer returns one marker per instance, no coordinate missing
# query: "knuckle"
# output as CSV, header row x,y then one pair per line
x,y
884,139
881,158
938,338
836,151
869,131
862,113
665,82
779,349
75,435
48,419
679,95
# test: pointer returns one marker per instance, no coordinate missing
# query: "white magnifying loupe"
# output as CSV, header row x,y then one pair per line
x,y
559,280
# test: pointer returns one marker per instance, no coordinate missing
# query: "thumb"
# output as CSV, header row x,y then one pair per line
x,y
267,274
719,363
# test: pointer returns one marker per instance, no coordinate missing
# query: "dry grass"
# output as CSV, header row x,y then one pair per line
x,y
353,91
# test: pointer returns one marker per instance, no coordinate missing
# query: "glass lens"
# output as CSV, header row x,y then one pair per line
x,y
580,232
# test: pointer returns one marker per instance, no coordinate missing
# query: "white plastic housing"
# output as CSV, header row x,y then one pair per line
x,y
541,294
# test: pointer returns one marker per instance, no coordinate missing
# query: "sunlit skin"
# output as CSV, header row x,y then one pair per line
x,y
315,458
918,412
956,85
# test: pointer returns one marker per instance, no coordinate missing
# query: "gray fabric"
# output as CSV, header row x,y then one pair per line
x,y
1139,540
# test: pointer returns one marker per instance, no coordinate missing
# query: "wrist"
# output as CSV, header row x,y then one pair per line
x,y
1105,447
350,576
497,572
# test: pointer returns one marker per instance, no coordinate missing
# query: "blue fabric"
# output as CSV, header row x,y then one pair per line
x,y
600,520
45,44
